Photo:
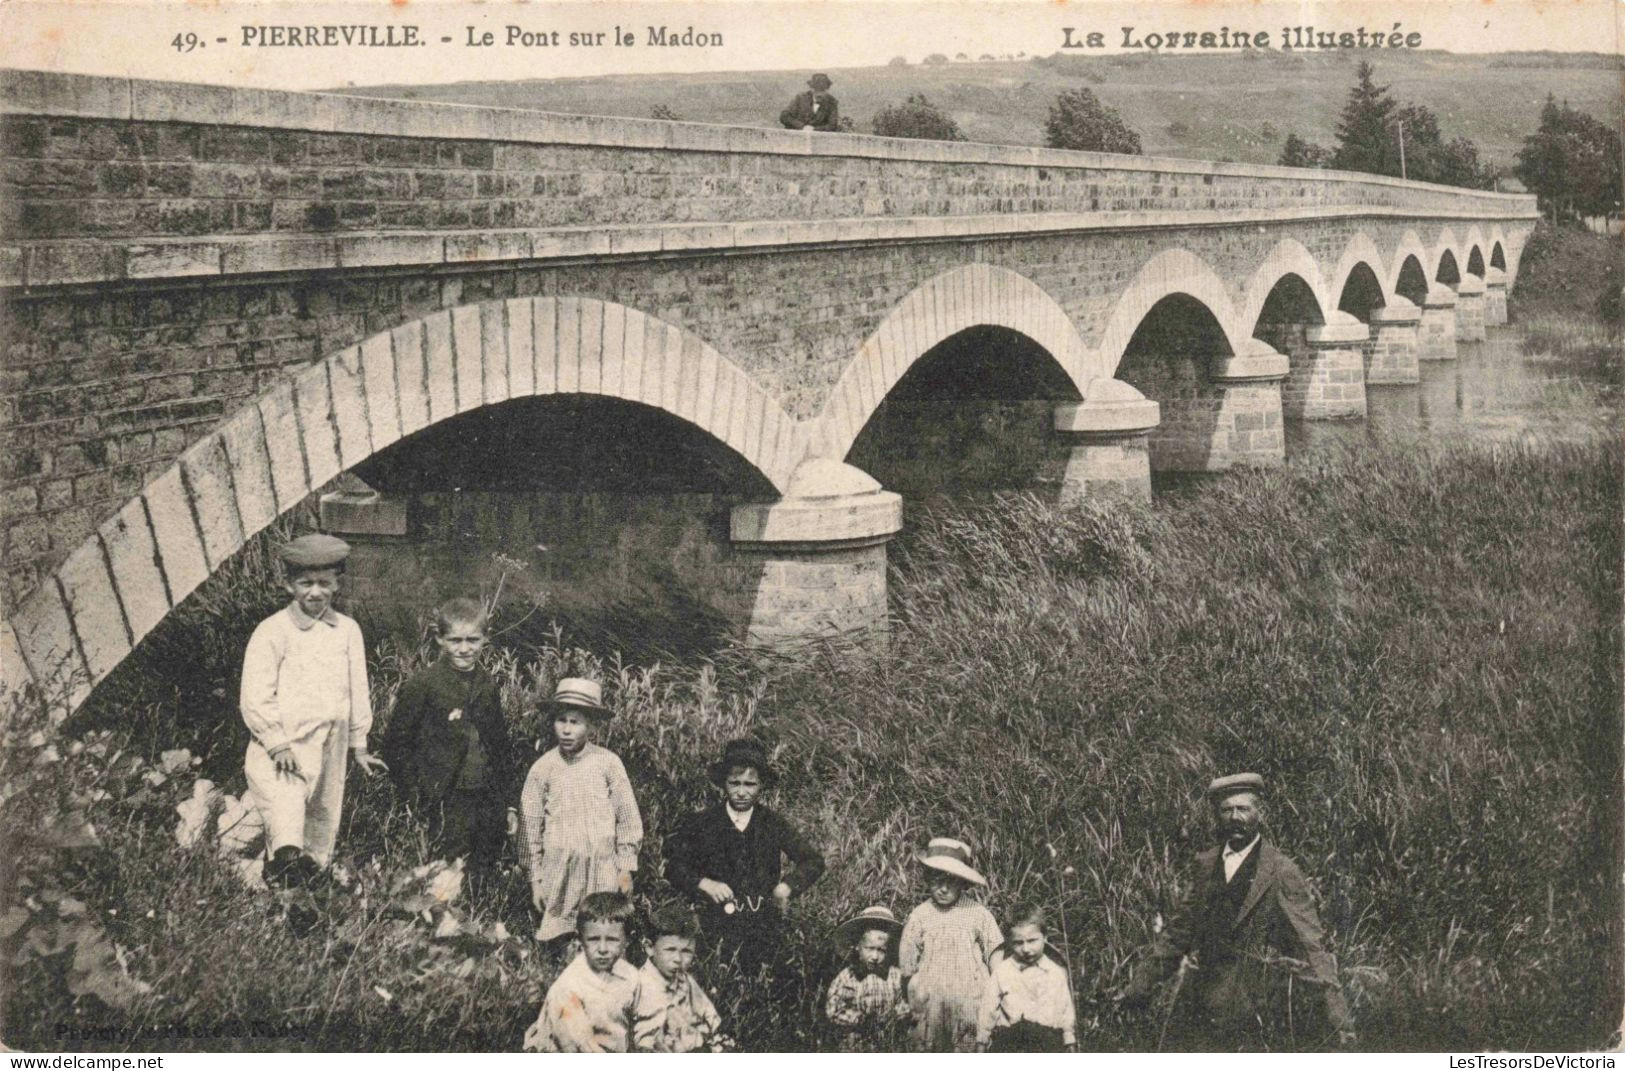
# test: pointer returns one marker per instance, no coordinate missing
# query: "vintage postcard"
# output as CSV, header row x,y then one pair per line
x,y
868,527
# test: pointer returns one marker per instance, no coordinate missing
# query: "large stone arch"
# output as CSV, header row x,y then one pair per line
x,y
1360,250
1289,257
117,585
976,295
1173,271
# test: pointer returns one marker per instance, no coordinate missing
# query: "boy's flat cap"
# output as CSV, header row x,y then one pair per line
x,y
314,551
1220,787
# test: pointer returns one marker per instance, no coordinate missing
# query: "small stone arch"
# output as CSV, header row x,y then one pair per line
x,y
1411,282
1410,248
1498,256
1361,292
265,459
1173,271
1448,272
1287,258
1361,251
1444,250
1475,262
975,295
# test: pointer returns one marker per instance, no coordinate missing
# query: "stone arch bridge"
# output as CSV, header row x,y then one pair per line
x,y
636,342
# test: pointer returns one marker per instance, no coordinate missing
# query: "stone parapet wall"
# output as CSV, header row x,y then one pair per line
x,y
293,174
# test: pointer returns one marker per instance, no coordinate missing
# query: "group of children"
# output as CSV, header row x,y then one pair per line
x,y
947,974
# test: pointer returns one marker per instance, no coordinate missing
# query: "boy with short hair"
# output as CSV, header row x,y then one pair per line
x,y
674,1014
590,1006
448,746
1027,1006
304,699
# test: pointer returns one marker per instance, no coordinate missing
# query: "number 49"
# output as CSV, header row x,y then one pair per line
x,y
185,42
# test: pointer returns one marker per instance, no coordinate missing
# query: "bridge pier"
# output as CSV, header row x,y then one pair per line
x,y
1390,353
1495,297
1436,333
1108,455
1228,418
817,556
1327,379
1470,309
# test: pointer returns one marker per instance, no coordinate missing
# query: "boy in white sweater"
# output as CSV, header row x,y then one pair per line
x,y
305,700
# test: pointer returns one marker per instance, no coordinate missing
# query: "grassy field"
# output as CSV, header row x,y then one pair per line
x,y
1420,646
1238,107
1421,649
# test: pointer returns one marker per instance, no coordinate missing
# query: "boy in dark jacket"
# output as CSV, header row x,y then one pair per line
x,y
729,859
448,745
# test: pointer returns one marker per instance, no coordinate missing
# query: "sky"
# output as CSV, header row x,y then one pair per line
x,y
148,38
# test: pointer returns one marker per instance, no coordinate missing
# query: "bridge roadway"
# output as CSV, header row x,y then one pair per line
x,y
218,300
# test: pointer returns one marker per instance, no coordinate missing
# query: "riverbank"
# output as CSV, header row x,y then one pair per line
x,y
1419,646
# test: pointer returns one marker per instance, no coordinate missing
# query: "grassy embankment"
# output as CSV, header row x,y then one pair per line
x,y
1422,649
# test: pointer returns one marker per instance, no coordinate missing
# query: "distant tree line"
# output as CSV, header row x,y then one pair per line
x,y
1571,162
1369,133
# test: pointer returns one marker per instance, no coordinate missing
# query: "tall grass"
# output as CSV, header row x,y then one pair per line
x,y
1421,650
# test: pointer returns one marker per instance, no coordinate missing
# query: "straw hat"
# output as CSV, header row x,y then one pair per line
x,y
878,917
578,693
951,857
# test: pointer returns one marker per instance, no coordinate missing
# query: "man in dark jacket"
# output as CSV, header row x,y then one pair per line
x,y
1261,976
729,859
448,745
814,109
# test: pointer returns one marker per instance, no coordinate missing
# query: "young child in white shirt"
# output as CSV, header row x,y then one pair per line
x,y
1027,1006
674,1013
304,699
592,1003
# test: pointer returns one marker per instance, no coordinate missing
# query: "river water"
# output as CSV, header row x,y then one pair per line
x,y
1492,392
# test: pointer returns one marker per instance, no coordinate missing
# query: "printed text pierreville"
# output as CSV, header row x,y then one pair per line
x,y
408,35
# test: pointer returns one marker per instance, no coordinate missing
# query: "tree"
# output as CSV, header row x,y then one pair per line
x,y
1429,158
916,118
1571,162
1299,153
897,61
1077,120
1365,140
660,111
935,59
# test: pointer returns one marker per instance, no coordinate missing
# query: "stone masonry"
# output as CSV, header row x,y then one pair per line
x,y
216,301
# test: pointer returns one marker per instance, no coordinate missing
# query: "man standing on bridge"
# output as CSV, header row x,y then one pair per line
x,y
814,109
1249,920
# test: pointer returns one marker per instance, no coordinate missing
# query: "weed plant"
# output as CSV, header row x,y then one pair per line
x,y
1420,649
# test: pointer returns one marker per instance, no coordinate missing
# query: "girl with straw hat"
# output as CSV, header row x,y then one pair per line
x,y
945,947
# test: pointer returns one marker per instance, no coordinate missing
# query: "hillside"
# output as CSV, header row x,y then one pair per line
x,y
1234,106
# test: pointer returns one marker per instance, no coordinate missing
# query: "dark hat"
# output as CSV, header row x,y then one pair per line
x,y
578,693
951,857
743,753
314,551
878,917
1220,787
820,82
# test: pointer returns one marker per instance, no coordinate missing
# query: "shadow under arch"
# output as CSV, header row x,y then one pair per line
x,y
1169,273
1361,293
1412,281
974,414
1498,257
334,415
974,295
1169,359
1475,262
1447,272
